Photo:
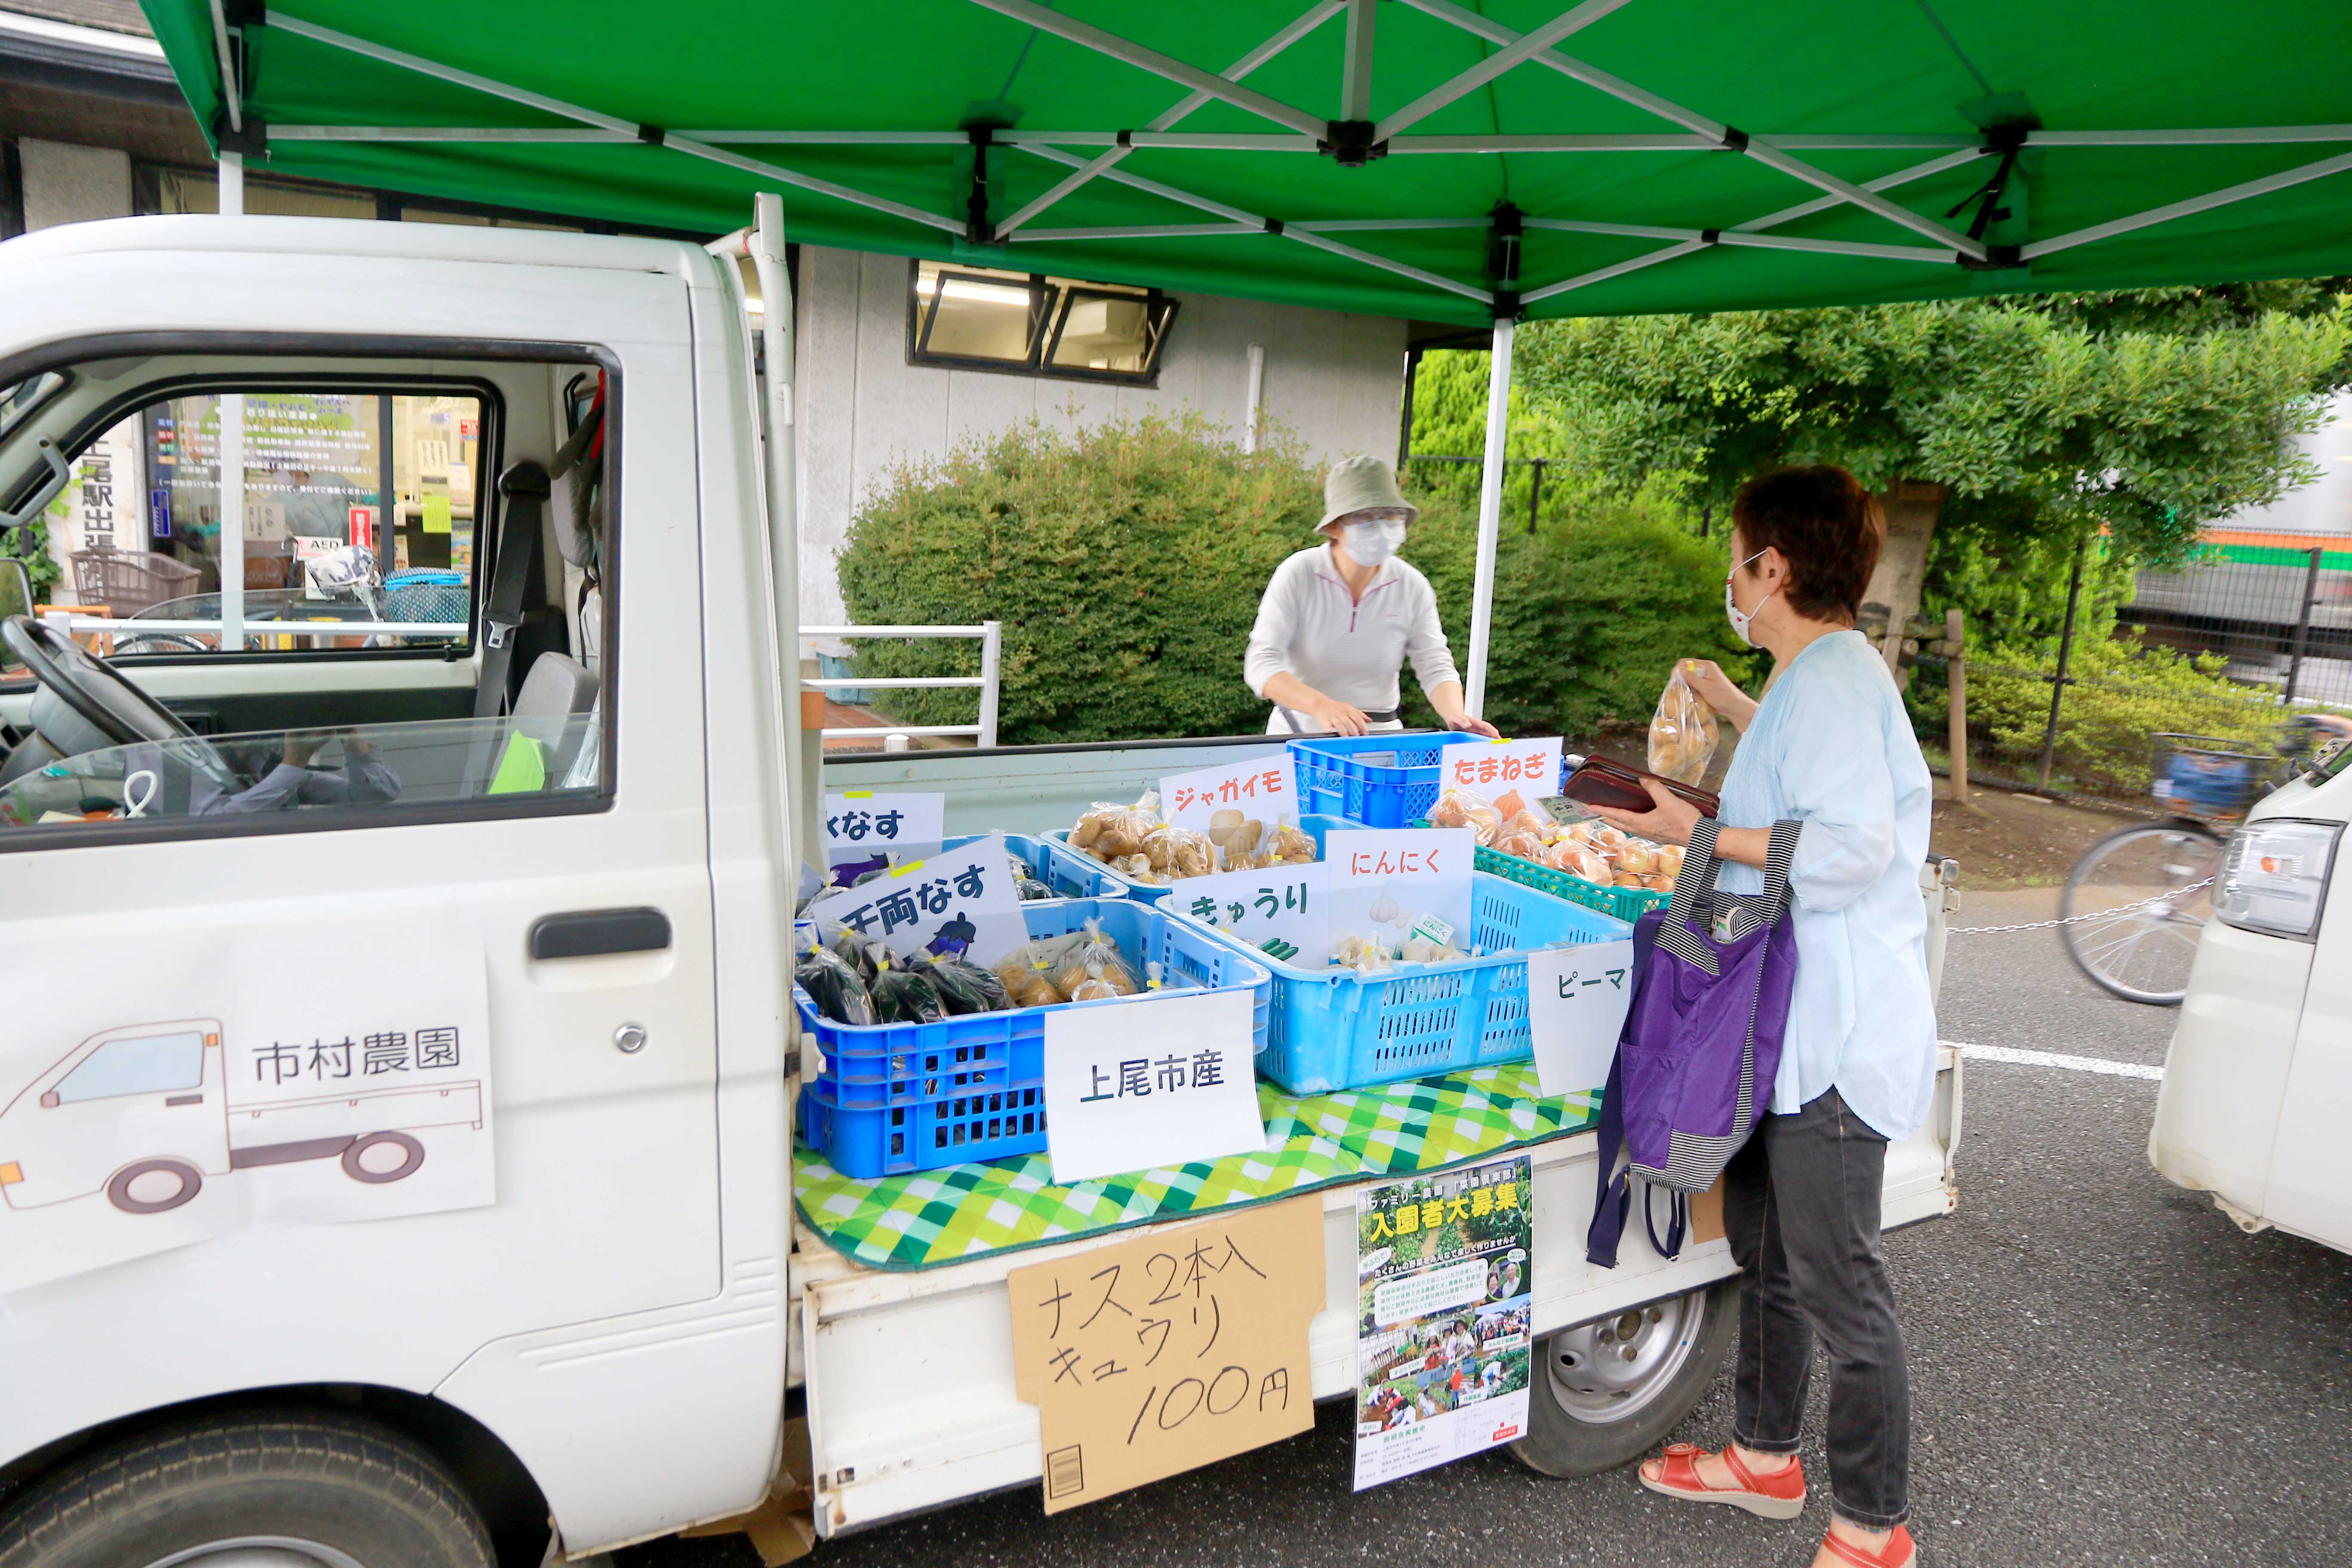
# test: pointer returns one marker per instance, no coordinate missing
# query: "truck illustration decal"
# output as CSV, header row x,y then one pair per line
x,y
147,1112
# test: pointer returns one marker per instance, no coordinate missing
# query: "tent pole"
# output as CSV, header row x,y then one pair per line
x,y
232,185
767,237
1490,513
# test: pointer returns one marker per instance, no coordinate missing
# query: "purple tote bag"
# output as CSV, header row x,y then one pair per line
x,y
1702,1040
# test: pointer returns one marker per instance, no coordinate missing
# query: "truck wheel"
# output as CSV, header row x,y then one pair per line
x,y
382,1157
296,1491
151,1186
1606,1393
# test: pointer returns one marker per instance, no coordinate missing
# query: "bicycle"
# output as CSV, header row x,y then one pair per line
x,y
2136,902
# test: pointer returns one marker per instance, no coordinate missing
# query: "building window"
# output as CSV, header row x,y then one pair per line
x,y
1027,323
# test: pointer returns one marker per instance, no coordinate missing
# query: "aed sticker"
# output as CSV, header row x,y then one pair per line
x,y
242,1079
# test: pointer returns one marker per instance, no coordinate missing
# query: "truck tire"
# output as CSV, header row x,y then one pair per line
x,y
147,1186
363,1163
1591,1407
257,1491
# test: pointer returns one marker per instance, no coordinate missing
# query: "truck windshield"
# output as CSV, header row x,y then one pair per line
x,y
148,1064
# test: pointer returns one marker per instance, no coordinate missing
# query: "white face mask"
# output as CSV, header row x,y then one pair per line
x,y
1740,619
1374,540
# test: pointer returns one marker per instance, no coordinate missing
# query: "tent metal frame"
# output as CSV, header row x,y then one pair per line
x,y
1353,139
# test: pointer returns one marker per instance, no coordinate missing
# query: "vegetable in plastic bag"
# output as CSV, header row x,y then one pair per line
x,y
849,947
1098,957
965,988
833,985
1466,808
1682,733
1292,846
903,996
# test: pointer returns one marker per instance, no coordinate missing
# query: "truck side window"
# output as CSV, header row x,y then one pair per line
x,y
149,1064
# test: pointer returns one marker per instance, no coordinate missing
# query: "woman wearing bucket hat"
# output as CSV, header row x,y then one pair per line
x,y
1338,620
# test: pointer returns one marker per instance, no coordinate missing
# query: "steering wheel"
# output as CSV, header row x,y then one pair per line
x,y
93,689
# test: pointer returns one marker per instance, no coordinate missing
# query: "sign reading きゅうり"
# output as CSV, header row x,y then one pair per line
x,y
1577,999
1497,768
1443,1272
1267,789
959,901
1284,911
1387,883
240,1079
1170,1352
864,831
1146,1081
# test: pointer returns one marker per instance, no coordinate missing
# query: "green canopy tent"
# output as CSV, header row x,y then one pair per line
x,y
1473,165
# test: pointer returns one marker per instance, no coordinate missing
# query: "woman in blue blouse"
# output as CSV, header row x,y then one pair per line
x,y
1830,746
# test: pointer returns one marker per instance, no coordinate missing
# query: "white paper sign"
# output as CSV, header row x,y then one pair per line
x,y
961,901
1265,788
1163,1082
1284,910
864,830
1386,881
267,1080
1497,768
1577,998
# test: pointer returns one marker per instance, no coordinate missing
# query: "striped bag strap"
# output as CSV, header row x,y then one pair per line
x,y
1779,850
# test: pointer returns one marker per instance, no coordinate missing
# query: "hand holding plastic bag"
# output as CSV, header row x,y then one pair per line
x,y
1682,733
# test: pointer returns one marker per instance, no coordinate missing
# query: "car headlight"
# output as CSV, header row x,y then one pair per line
x,y
2274,876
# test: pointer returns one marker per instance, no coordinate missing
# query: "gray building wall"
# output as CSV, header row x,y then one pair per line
x,y
65,183
1335,380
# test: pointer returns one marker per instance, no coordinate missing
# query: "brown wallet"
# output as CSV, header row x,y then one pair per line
x,y
1601,782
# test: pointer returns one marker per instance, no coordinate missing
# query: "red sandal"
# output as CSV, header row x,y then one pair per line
x,y
1781,1494
1897,1552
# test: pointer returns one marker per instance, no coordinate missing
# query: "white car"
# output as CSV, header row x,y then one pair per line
x,y
2260,1074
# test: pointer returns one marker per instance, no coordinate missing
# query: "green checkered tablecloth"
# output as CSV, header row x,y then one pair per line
x,y
928,1219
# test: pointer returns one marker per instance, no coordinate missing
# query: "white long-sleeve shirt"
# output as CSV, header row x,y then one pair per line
x,y
1348,650
1832,747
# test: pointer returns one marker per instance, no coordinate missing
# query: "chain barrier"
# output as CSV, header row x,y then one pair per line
x,y
2070,919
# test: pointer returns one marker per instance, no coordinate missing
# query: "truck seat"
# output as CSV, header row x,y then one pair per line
x,y
558,688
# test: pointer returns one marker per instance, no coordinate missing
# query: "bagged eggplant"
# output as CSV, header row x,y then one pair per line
x,y
836,988
1682,733
849,947
964,988
903,996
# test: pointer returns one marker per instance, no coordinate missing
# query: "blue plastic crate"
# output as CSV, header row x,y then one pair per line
x,y
1333,1028
1333,782
892,1098
1070,861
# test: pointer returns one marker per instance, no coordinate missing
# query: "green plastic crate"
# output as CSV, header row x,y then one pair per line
x,y
1625,903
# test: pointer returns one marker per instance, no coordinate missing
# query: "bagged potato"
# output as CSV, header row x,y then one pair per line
x,y
1292,846
1682,733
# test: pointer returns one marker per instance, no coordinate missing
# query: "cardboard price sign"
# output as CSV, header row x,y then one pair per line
x,y
961,902
1267,789
1284,911
1495,768
1162,1081
1577,1000
1173,1351
864,830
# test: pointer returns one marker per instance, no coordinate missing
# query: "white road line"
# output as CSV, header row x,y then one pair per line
x,y
2054,1059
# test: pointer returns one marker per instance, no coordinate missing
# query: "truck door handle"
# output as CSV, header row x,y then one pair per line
x,y
584,934
185,1099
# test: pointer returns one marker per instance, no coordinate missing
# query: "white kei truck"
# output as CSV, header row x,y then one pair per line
x,y
622,1330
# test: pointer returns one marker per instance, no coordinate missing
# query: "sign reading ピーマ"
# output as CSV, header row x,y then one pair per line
x,y
1267,789
1443,1271
1150,1080
961,902
864,831
1497,768
1389,882
1160,1354
1577,999
1284,911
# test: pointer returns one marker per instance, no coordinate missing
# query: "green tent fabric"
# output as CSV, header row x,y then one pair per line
x,y
1432,114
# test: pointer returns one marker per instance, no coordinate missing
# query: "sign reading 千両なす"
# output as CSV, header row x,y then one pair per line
x,y
864,831
961,902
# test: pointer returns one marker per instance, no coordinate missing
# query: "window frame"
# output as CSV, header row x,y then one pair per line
x,y
209,384
1049,309
66,354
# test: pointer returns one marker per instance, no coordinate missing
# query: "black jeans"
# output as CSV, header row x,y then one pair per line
x,y
1801,1206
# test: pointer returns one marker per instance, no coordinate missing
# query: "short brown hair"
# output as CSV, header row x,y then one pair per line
x,y
1824,524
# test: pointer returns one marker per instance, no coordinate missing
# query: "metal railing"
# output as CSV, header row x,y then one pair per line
x,y
990,635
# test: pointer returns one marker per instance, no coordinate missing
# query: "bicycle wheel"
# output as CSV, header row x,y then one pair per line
x,y
2136,904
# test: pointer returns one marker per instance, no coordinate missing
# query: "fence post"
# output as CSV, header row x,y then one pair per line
x,y
2065,649
1535,491
2303,623
1956,671
991,647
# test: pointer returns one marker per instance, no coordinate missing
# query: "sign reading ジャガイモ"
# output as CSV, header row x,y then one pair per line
x,y
1170,1352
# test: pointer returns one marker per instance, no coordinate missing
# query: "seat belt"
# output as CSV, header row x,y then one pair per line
x,y
525,487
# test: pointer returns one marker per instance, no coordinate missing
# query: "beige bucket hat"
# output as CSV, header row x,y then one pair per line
x,y
1361,484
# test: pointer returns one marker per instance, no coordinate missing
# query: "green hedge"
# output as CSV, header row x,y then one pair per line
x,y
1126,563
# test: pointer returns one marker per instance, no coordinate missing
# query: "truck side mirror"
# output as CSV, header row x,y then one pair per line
x,y
49,1100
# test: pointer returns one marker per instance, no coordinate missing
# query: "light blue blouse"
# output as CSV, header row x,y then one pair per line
x,y
1831,746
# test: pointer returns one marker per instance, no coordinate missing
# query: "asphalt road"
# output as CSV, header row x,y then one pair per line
x,y
2104,1372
